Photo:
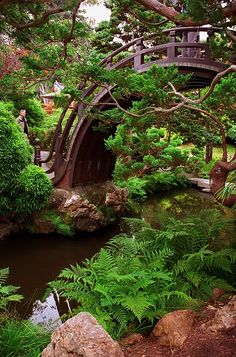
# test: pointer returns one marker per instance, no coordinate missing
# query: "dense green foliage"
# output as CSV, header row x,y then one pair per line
x,y
45,40
144,273
24,188
22,338
63,224
141,187
8,293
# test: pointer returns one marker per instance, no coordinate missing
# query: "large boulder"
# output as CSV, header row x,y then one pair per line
x,y
90,207
85,215
116,198
82,336
174,328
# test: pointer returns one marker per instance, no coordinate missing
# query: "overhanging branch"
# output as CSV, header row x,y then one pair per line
x,y
217,78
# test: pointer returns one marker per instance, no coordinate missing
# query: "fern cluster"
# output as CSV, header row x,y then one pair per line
x,y
144,273
7,292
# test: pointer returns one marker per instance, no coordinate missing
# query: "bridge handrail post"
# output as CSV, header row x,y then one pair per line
x,y
138,59
208,52
109,62
37,152
171,51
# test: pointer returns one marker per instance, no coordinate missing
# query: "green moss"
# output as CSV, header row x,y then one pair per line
x,y
63,223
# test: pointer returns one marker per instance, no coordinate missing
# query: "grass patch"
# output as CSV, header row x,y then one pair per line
x,y
217,151
22,339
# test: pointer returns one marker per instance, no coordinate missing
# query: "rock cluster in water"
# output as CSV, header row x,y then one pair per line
x,y
86,208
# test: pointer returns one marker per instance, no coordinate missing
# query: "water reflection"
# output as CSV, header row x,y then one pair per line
x,y
179,204
46,313
34,260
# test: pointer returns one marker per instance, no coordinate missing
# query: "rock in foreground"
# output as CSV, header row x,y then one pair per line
x,y
174,328
82,336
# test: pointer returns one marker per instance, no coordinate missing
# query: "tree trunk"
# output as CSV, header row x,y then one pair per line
x,y
209,152
218,178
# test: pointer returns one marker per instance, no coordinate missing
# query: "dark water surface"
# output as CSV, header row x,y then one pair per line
x,y
34,260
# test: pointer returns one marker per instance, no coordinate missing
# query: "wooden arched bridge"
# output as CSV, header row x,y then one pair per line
x,y
78,152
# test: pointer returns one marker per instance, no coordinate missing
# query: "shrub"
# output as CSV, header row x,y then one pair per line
x,y
32,191
140,187
231,134
23,187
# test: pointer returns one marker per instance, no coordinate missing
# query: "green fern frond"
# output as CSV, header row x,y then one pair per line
x,y
133,225
209,283
7,292
194,277
219,262
4,275
198,257
121,316
105,291
137,304
104,262
146,234
161,276
180,267
177,294
141,284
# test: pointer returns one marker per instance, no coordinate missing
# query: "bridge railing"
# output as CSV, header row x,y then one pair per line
x,y
184,45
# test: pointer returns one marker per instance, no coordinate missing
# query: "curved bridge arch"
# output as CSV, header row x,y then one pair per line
x,y
85,159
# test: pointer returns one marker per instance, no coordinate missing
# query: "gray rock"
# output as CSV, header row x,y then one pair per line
x,y
82,336
225,318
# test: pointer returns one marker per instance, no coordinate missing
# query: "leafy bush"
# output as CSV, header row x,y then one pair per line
x,y
23,187
7,292
140,187
144,273
22,338
231,134
33,190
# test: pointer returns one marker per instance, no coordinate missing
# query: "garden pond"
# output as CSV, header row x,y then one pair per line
x,y
35,260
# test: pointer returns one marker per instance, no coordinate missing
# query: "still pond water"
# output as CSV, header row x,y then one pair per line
x,y
35,260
